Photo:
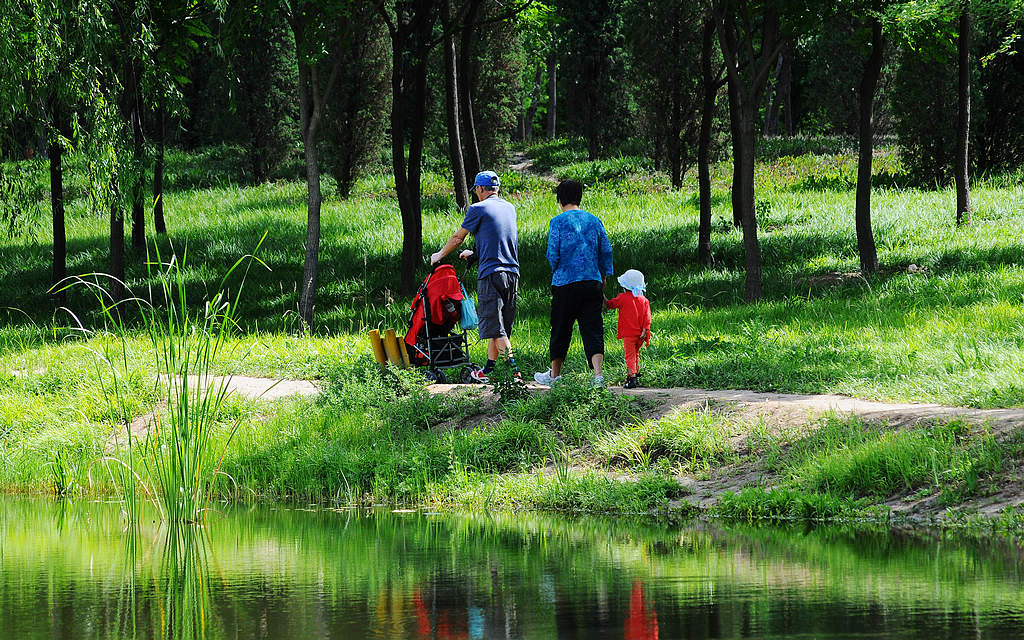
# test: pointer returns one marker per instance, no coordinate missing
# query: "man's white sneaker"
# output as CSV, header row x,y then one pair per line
x,y
598,381
545,378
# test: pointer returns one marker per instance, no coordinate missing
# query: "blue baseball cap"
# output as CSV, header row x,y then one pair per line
x,y
486,179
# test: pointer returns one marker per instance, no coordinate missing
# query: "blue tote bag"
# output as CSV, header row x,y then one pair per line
x,y
469,319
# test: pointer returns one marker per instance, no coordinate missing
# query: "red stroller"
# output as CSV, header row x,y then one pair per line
x,y
435,340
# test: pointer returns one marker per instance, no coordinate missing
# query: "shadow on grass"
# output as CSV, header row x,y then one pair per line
x,y
355,285
881,180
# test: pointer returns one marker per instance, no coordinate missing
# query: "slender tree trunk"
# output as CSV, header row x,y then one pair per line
x,y
398,163
745,86
412,236
786,89
737,136
139,179
451,89
117,267
471,146
868,83
60,248
159,224
309,111
675,143
411,34
707,116
963,128
531,113
751,245
407,171
552,92
771,99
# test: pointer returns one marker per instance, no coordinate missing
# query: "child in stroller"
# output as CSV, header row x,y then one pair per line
x,y
435,339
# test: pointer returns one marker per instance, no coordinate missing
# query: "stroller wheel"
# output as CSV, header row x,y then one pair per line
x,y
467,374
435,375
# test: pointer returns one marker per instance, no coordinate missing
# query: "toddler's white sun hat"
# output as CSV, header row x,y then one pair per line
x,y
633,280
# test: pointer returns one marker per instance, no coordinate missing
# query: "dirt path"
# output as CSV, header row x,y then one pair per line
x,y
522,163
785,408
244,386
791,407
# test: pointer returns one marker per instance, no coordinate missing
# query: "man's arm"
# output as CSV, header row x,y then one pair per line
x,y
453,242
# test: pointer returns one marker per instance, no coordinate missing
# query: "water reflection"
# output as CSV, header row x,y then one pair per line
x,y
71,571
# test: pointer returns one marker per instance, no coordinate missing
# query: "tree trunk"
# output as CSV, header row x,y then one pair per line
x,y
139,179
117,270
745,84
412,227
159,224
309,113
451,94
736,134
398,163
707,116
744,153
552,92
771,99
963,125
471,146
675,142
60,247
786,86
531,113
868,83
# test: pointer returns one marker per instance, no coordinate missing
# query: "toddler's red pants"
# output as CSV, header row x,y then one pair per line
x,y
632,344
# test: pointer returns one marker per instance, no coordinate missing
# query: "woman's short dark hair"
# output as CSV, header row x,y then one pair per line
x,y
569,192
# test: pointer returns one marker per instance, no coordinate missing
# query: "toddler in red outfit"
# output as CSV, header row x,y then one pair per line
x,y
634,321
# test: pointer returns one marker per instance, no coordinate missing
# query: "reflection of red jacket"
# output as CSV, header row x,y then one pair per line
x,y
641,624
634,315
443,625
443,285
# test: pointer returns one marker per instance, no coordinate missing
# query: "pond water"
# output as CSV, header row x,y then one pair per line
x,y
70,570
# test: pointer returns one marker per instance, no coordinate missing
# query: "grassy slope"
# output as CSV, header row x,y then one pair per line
x,y
952,334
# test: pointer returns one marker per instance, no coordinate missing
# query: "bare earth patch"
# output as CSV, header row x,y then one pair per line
x,y
245,386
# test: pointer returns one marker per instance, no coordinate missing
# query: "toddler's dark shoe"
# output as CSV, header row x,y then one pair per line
x,y
632,382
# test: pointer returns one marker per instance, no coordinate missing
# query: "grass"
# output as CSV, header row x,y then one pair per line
x,y
952,333
374,439
686,441
845,466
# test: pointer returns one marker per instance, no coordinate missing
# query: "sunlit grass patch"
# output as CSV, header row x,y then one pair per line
x,y
576,492
686,440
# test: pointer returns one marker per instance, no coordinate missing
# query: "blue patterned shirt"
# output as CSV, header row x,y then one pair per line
x,y
578,248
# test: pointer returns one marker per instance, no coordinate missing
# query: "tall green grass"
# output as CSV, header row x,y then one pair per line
x,y
177,462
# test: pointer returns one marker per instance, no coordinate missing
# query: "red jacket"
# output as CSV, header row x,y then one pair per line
x,y
443,285
634,315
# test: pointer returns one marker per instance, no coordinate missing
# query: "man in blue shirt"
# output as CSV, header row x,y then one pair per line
x,y
492,221
581,259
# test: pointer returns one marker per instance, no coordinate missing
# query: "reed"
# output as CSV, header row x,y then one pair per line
x,y
177,462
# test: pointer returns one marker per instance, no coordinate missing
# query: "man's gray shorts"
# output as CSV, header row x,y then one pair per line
x,y
496,306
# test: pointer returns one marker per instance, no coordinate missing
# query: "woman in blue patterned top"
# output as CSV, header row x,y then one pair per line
x,y
581,260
